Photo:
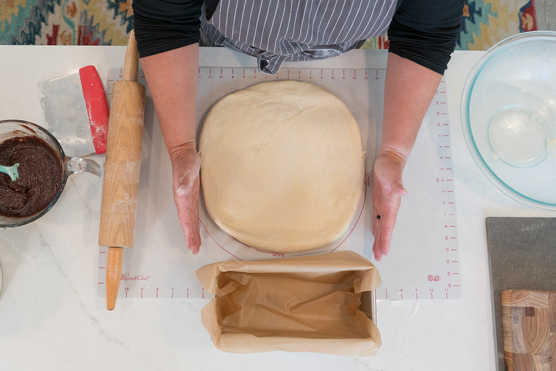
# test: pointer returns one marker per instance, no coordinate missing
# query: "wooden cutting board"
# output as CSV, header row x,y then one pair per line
x,y
529,320
522,256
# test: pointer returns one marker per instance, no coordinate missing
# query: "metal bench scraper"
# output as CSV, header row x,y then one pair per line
x,y
75,111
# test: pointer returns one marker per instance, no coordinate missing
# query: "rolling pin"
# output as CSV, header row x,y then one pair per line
x,y
121,175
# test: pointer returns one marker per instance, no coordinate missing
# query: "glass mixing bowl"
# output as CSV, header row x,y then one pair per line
x,y
508,111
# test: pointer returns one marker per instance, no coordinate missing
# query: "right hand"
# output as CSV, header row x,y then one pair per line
x,y
186,164
387,191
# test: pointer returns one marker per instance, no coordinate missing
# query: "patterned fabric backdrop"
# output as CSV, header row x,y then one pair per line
x,y
107,22
485,23
65,22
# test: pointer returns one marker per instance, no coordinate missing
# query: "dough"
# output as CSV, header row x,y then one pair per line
x,y
282,166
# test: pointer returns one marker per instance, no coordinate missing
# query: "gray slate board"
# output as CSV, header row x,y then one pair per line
x,y
522,255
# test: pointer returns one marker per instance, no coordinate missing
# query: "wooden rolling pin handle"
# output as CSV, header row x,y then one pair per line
x,y
123,161
114,265
131,63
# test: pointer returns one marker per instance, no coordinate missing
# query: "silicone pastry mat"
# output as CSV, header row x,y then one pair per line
x,y
423,262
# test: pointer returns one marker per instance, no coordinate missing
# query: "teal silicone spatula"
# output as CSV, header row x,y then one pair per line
x,y
11,171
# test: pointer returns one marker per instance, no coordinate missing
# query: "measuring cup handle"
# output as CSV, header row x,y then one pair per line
x,y
78,165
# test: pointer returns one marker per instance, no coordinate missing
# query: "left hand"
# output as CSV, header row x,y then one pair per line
x,y
387,191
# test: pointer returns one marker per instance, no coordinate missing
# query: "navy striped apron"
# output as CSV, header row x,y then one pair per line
x,y
278,31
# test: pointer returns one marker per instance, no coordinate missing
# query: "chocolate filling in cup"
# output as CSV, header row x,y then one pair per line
x,y
42,173
40,176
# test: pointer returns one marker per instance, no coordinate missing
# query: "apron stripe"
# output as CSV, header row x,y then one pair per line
x,y
329,19
376,20
263,31
336,23
276,31
279,29
308,20
339,35
227,18
352,23
362,21
385,28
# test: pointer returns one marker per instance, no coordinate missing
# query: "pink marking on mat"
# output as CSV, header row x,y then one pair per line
x,y
200,221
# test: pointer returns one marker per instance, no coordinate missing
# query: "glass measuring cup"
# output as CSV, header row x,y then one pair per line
x,y
17,128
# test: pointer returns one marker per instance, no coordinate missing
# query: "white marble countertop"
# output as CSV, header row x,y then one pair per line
x,y
52,319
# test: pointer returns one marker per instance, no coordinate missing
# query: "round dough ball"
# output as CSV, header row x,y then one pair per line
x,y
282,166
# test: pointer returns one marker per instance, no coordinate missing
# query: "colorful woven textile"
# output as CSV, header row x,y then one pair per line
x,y
487,22
107,22
65,22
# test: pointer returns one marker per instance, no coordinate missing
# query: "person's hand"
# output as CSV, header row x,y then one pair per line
x,y
387,191
186,164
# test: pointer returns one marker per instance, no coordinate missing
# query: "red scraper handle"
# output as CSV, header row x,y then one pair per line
x,y
97,106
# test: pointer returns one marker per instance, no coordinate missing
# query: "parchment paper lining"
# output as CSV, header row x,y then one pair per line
x,y
302,304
